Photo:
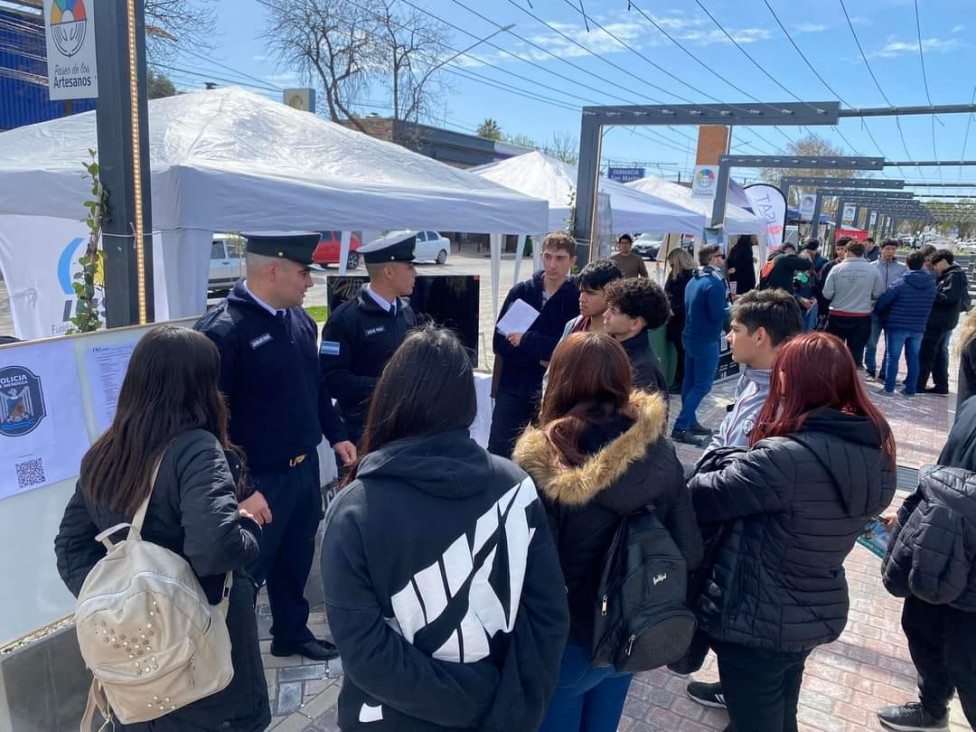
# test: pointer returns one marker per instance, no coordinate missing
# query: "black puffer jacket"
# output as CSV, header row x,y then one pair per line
x,y
193,512
792,508
636,467
932,555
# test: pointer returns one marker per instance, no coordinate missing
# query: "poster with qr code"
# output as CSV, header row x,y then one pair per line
x,y
43,434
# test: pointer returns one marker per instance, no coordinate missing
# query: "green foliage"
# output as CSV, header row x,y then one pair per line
x,y
318,313
89,284
490,130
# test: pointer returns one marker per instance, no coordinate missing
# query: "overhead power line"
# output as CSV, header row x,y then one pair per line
x,y
867,65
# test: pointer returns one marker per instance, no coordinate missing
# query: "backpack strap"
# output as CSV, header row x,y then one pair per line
x,y
96,701
140,515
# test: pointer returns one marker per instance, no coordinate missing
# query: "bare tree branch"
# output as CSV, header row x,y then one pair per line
x,y
179,24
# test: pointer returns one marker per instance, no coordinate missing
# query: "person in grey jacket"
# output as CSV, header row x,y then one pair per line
x,y
891,270
852,287
762,321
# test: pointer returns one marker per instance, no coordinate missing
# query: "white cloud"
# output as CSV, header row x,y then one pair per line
x,y
959,29
285,78
895,48
259,59
810,27
856,20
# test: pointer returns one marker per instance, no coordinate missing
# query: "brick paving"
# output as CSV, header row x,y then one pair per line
x,y
845,682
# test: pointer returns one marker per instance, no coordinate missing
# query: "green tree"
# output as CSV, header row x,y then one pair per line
x,y
159,86
490,130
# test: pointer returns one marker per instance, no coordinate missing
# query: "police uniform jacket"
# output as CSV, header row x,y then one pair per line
x,y
358,340
270,378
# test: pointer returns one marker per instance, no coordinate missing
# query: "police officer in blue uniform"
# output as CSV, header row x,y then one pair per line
x,y
363,333
279,411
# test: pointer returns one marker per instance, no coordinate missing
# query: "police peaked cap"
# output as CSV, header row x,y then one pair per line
x,y
397,246
296,246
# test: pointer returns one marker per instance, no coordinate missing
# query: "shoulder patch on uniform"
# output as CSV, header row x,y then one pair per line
x,y
260,341
329,348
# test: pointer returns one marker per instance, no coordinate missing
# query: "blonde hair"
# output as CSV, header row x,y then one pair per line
x,y
679,261
967,332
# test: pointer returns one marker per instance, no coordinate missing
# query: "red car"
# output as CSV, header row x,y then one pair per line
x,y
327,252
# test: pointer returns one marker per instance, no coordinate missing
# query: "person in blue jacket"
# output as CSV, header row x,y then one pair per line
x,y
706,310
907,304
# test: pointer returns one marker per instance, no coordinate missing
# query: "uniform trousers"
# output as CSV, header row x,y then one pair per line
x,y
854,330
934,359
288,545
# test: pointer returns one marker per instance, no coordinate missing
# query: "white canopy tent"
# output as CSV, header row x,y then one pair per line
x,y
226,160
738,221
540,176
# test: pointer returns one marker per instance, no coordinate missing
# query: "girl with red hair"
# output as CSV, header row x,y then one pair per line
x,y
788,512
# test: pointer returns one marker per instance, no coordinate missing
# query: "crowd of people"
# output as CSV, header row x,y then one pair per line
x,y
471,589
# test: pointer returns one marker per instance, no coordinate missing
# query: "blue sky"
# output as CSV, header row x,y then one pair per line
x,y
604,71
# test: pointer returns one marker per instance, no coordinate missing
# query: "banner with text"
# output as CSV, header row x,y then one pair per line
x,y
704,181
767,203
71,67
624,175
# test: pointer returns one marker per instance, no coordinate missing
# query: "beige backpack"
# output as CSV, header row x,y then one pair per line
x,y
152,641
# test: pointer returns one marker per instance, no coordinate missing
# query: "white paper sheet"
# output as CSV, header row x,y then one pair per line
x,y
43,435
106,366
518,319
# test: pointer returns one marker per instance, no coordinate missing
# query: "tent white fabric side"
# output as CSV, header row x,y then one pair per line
x,y
738,221
540,176
230,160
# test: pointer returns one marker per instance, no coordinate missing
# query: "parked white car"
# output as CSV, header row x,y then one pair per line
x,y
226,263
431,247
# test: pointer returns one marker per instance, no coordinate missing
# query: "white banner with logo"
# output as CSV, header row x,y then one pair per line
x,y
43,434
848,216
39,259
704,181
71,66
767,203
807,204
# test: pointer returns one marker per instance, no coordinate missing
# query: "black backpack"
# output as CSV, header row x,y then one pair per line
x,y
641,620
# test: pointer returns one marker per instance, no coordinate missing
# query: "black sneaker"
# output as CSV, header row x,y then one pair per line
x,y
937,391
708,695
872,374
697,429
687,437
910,717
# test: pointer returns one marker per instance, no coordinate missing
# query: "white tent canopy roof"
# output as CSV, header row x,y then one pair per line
x,y
228,160
541,176
738,221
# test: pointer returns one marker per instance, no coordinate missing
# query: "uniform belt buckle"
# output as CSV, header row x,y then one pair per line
x,y
296,461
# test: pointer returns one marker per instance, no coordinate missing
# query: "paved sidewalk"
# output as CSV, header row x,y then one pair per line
x,y
845,682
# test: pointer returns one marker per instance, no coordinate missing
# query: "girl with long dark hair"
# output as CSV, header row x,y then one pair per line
x,y
442,583
170,413
788,511
681,267
599,454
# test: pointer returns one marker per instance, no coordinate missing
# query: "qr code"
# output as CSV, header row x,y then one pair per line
x,y
31,473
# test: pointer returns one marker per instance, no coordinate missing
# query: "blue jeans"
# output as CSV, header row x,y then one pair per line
x,y
871,350
701,363
894,341
587,699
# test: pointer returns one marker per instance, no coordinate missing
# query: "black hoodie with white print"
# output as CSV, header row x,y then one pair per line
x,y
443,591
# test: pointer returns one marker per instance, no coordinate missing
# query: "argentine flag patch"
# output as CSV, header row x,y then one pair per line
x,y
329,348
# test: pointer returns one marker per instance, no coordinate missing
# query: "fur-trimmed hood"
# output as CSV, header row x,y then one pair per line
x,y
578,486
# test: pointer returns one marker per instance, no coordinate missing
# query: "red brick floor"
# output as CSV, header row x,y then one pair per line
x,y
846,681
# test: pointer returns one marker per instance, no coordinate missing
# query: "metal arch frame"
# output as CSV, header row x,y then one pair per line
x,y
594,118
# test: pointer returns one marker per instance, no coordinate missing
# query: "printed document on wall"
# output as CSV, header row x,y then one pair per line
x,y
106,367
43,434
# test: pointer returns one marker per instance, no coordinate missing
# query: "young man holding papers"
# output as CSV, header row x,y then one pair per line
x,y
523,344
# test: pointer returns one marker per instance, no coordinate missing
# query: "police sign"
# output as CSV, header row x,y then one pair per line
x,y
70,29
